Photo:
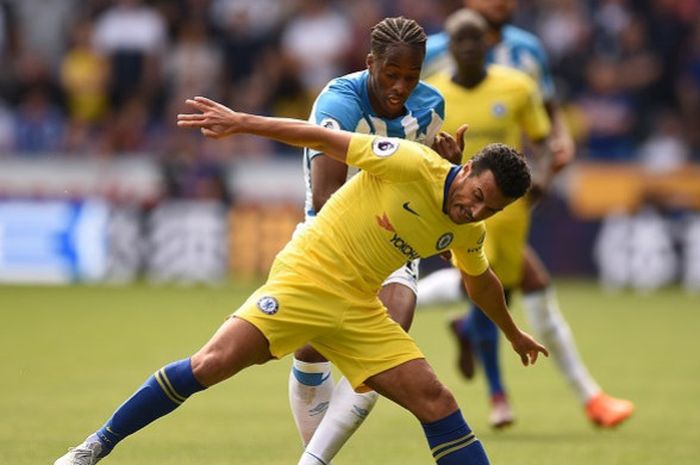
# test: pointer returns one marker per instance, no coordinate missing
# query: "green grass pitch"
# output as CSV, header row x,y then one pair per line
x,y
69,356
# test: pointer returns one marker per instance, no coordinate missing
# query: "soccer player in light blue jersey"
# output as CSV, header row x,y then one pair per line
x,y
517,48
385,99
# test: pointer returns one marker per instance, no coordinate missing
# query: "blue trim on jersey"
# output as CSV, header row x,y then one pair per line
x,y
309,379
451,175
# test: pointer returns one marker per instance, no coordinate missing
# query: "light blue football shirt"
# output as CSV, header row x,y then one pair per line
x,y
344,104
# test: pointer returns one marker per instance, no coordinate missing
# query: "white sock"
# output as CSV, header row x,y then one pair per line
x,y
440,287
345,414
309,398
542,311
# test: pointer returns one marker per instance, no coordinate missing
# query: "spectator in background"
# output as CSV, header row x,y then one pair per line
x,y
609,113
7,128
247,28
43,26
664,150
133,37
39,123
688,90
317,41
84,76
132,129
194,65
639,66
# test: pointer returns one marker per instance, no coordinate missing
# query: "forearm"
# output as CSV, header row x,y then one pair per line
x,y
486,292
297,133
216,121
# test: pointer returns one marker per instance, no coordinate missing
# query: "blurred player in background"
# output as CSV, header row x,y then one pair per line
x,y
323,285
503,105
385,99
517,48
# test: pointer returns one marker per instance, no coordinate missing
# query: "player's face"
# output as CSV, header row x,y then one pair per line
x,y
496,12
392,78
474,198
468,46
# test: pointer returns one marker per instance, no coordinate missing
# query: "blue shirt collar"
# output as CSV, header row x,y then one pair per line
x,y
451,175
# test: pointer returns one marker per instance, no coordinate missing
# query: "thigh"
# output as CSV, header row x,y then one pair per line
x,y
290,311
236,345
367,342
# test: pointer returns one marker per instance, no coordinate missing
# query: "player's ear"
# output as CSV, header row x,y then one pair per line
x,y
370,61
468,168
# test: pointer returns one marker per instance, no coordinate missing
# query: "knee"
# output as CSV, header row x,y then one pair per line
x,y
437,403
210,367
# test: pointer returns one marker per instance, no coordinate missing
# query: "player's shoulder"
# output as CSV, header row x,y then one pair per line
x,y
342,100
512,77
519,37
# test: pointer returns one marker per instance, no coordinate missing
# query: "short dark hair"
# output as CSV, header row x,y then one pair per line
x,y
395,31
508,166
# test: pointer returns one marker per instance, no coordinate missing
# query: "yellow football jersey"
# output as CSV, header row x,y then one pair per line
x,y
388,214
501,108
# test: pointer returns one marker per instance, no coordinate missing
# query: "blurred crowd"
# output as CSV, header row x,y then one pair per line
x,y
102,78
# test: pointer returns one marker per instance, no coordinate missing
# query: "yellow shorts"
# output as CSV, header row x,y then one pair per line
x,y
356,335
506,236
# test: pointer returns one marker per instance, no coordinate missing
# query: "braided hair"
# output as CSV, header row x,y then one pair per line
x,y
394,31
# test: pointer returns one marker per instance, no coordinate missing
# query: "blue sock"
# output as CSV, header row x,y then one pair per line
x,y
453,443
162,393
483,334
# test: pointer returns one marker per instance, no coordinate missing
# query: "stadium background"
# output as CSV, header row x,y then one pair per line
x,y
98,186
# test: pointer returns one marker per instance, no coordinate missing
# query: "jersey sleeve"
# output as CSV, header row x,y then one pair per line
x,y
472,258
533,116
335,109
388,158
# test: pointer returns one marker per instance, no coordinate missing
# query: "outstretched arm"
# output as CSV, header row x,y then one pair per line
x,y
216,121
486,292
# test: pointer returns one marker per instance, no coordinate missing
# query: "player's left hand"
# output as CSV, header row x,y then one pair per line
x,y
451,148
562,148
528,348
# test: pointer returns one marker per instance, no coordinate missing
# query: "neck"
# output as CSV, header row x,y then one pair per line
x,y
470,77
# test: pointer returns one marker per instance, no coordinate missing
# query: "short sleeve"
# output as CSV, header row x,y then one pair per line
x,y
471,259
389,158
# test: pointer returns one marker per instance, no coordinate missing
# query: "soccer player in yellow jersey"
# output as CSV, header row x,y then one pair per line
x,y
513,47
407,202
503,105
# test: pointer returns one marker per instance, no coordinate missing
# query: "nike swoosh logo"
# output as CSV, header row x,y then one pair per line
x,y
409,209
